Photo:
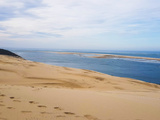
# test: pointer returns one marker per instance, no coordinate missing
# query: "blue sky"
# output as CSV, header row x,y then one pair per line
x,y
80,24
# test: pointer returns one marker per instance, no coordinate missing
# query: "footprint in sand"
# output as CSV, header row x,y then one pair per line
x,y
2,95
60,116
69,113
10,108
16,100
11,97
26,111
46,113
90,117
33,102
58,108
42,106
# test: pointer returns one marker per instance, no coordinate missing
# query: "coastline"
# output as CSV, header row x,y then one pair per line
x,y
95,55
32,90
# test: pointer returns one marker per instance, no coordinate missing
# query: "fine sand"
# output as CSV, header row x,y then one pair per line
x,y
36,91
94,55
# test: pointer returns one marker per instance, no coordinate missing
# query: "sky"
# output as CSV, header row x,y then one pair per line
x,y
80,24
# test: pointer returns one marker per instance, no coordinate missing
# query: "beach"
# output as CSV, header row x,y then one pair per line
x,y
79,60
37,91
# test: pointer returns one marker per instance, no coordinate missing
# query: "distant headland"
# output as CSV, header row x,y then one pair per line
x,y
9,53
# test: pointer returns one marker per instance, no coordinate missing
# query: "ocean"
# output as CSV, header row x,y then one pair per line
x,y
145,70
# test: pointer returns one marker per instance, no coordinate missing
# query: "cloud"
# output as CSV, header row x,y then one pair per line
x,y
62,19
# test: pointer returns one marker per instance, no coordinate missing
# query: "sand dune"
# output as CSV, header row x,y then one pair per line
x,y
36,91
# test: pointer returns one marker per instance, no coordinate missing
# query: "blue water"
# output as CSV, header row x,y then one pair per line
x,y
146,70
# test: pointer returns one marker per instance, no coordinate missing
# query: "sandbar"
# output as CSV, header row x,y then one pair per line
x,y
95,55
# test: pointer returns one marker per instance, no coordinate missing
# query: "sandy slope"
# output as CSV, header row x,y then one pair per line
x,y
36,91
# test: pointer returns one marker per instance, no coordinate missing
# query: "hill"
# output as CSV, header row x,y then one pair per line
x,y
9,53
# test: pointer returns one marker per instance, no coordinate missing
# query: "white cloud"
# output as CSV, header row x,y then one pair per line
x,y
79,18
11,3
2,34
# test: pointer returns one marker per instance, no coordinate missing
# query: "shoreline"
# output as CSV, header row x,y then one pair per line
x,y
95,55
33,90
35,71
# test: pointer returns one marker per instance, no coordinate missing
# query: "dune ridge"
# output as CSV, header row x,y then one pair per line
x,y
36,91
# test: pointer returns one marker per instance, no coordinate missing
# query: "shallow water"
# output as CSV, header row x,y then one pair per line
x,y
146,70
